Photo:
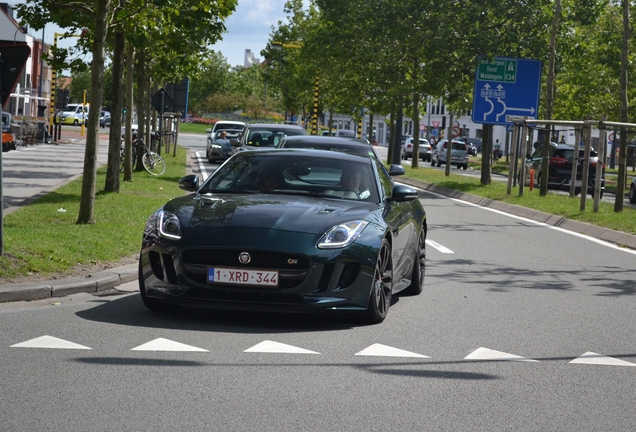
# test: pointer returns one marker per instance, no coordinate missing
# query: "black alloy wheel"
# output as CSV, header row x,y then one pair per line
x,y
380,298
419,267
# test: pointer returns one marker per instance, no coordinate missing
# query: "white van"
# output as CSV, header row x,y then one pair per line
x,y
73,114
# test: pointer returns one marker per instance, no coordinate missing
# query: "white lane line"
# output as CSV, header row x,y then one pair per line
x,y
278,348
583,236
598,359
439,247
204,172
162,344
49,342
489,354
379,350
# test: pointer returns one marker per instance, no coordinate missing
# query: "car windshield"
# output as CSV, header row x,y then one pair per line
x,y
292,173
458,146
221,126
269,138
227,134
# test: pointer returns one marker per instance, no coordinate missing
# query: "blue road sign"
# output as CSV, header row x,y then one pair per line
x,y
434,132
505,88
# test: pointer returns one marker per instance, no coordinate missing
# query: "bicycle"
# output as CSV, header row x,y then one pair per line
x,y
152,162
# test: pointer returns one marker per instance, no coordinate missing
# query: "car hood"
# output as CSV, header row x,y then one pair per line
x,y
289,213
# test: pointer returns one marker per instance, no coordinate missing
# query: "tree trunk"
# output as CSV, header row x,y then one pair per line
x,y
87,202
139,101
114,139
130,66
622,153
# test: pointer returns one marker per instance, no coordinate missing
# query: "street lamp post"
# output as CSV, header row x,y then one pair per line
x,y
58,128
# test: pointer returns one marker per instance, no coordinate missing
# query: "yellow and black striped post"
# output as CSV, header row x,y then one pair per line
x,y
359,128
53,85
314,118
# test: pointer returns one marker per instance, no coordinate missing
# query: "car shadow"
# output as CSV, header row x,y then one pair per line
x,y
128,310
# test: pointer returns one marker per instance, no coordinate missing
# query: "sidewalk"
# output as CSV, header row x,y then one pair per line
x,y
112,278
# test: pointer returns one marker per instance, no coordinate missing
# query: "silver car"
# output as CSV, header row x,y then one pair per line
x,y
459,155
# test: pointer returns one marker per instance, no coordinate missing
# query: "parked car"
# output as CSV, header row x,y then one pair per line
x,y
424,150
306,246
220,148
476,142
341,144
260,136
632,191
560,167
224,124
104,119
459,155
346,133
470,148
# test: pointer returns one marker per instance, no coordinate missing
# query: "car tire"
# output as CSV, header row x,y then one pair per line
x,y
439,163
632,194
432,162
419,267
465,167
75,122
381,289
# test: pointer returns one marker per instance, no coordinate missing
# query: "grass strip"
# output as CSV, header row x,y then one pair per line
x,y
43,237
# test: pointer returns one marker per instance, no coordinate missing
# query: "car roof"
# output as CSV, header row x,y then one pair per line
x,y
273,126
309,153
354,144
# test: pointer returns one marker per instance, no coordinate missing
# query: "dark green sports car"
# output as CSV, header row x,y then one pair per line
x,y
291,230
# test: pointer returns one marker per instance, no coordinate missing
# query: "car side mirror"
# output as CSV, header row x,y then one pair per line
x,y
209,130
189,183
396,170
403,193
234,142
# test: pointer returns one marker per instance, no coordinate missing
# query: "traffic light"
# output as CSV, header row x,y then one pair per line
x,y
443,122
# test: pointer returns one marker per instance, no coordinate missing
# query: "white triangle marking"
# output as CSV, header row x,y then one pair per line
x,y
488,354
49,342
277,347
162,344
598,359
380,350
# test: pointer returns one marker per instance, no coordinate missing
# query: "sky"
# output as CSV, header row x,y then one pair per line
x,y
248,27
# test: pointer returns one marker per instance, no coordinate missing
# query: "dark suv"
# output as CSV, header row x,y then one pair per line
x,y
259,136
560,168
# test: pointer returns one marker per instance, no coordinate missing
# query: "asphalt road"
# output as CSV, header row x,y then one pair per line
x,y
521,327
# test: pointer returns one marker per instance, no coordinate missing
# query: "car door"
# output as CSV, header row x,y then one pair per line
x,y
401,224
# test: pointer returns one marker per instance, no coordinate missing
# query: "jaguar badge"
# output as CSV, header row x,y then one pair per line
x,y
244,258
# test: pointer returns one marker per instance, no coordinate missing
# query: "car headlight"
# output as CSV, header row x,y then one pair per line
x,y
216,146
169,225
342,235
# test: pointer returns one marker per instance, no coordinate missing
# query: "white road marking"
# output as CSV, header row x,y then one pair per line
x,y
598,359
380,350
488,354
583,236
277,347
162,344
204,172
439,247
49,342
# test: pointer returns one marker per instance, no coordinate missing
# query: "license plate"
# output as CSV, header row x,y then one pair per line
x,y
578,183
242,276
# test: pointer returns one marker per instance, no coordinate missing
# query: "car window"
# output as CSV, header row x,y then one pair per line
x,y
458,146
385,180
295,174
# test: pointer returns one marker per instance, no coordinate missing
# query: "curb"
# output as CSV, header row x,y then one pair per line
x,y
100,281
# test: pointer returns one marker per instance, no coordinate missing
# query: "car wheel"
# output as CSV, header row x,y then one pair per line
x,y
432,162
439,163
632,194
419,267
380,298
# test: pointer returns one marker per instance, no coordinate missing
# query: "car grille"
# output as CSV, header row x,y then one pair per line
x,y
292,268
